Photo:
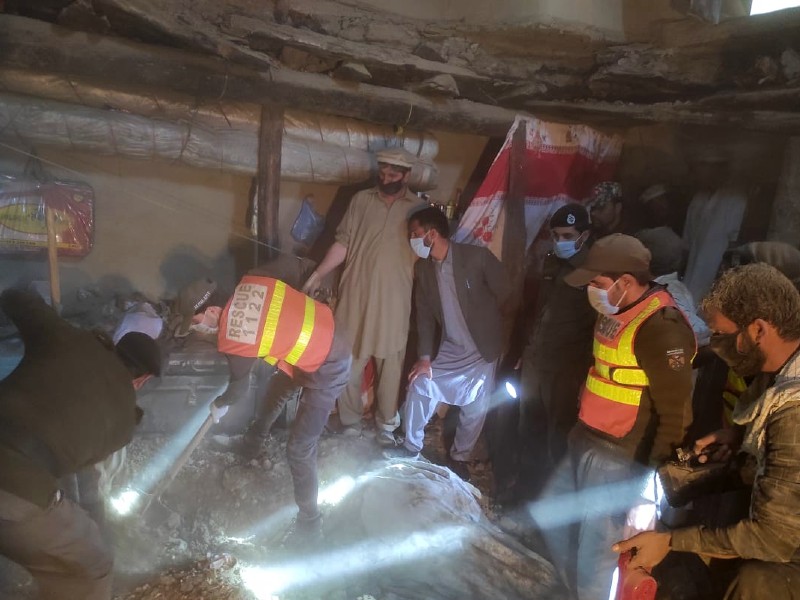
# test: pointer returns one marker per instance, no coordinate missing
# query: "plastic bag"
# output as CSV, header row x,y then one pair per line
x,y
308,224
23,226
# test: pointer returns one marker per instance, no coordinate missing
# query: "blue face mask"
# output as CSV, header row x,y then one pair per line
x,y
565,249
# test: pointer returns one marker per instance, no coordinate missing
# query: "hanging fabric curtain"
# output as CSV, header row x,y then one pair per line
x,y
563,163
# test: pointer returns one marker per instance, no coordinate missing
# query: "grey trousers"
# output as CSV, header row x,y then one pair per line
x,y
582,511
388,373
60,546
280,389
418,410
320,390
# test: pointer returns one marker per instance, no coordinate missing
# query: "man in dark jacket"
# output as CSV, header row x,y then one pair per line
x,y
754,312
460,289
558,352
69,404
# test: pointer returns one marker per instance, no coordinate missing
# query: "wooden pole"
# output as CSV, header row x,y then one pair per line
x,y
52,259
268,178
514,233
490,150
179,462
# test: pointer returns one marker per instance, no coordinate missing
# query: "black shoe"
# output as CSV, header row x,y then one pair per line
x,y
304,533
460,468
253,445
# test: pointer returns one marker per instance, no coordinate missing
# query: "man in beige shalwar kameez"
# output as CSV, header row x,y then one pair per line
x,y
375,289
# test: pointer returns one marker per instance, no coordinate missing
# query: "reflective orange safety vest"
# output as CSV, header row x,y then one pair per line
x,y
266,318
613,391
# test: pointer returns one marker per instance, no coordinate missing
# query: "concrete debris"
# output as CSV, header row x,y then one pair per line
x,y
214,578
441,85
352,71
790,61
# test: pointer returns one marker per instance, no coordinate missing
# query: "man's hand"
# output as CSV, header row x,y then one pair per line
x,y
421,367
312,284
718,446
217,412
651,548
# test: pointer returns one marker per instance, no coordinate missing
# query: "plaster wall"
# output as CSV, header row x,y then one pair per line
x,y
159,226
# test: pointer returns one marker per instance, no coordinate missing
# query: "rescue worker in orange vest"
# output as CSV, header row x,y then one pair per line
x,y
634,410
266,319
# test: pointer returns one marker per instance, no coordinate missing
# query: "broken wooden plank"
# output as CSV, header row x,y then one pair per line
x,y
622,114
44,48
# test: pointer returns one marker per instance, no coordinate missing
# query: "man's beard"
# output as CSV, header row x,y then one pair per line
x,y
748,362
391,189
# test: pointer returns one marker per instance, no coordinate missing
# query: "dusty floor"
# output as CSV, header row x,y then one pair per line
x,y
222,514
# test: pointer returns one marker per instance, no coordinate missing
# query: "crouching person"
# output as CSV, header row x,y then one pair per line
x,y
69,404
459,289
266,319
754,315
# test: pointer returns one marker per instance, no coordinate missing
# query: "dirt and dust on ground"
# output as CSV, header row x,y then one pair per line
x,y
392,530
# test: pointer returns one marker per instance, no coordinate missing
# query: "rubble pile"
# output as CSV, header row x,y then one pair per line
x,y
205,579
391,529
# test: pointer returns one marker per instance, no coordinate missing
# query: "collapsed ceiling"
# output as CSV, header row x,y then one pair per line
x,y
352,59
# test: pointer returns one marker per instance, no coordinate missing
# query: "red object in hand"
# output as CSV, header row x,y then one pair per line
x,y
634,584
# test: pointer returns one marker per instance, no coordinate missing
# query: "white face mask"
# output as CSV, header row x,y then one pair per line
x,y
598,299
419,247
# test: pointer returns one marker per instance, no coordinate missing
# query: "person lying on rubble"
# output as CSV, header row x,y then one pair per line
x,y
460,290
269,320
69,404
754,312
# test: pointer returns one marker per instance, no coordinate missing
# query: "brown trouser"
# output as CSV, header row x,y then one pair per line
x,y
388,372
59,545
759,580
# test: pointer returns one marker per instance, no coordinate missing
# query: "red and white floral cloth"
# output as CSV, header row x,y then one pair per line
x,y
563,163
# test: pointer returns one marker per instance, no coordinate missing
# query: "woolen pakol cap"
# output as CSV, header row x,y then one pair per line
x,y
615,253
397,157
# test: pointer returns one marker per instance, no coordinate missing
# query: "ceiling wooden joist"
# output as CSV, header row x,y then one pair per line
x,y
743,73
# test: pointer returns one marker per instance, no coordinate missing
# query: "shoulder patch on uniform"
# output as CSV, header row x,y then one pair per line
x,y
676,358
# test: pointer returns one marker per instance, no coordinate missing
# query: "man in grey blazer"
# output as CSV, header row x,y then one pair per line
x,y
459,293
